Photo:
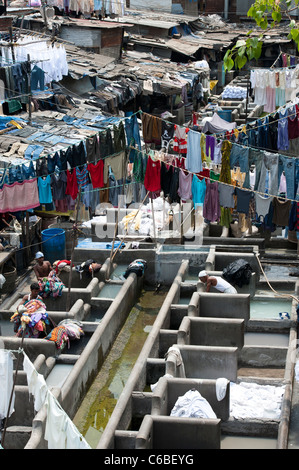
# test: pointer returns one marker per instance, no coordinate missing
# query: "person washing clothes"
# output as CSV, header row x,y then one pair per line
x,y
216,281
42,268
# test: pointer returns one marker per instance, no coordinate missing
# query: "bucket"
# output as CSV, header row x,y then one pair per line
x,y
53,245
10,274
47,221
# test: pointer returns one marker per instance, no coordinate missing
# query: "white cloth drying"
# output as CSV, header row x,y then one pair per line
x,y
251,400
6,383
221,387
60,432
179,360
192,405
36,383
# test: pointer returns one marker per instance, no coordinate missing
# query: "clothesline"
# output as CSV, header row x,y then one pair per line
x,y
221,182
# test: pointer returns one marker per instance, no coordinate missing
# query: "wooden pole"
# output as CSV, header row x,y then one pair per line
x,y
113,241
113,256
29,89
68,300
154,224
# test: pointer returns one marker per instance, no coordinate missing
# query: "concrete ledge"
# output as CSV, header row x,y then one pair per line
x,y
204,362
211,332
224,305
263,356
168,390
168,432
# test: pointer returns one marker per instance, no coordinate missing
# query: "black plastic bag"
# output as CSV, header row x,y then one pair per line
x,y
238,272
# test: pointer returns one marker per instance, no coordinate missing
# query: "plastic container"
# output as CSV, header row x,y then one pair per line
x,y
53,245
225,114
10,274
67,226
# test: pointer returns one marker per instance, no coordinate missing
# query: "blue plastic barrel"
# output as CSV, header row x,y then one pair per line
x,y
53,246
225,114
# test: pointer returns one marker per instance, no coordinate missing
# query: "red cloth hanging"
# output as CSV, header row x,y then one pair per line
x,y
96,172
152,178
71,184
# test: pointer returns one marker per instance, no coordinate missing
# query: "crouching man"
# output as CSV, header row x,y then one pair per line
x,y
216,281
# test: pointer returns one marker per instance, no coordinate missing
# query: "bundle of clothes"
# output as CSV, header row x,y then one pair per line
x,y
51,286
89,266
32,319
238,272
65,331
138,267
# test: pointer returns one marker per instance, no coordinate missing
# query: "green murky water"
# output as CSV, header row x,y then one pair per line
x,y
99,402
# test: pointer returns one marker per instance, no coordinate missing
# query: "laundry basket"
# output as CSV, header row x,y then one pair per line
x,y
10,274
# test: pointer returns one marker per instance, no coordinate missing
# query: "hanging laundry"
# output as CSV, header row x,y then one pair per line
x,y
6,383
193,161
243,200
167,133
19,196
44,190
198,189
96,172
282,131
82,177
211,207
180,140
152,179
262,205
72,185
185,184
117,165
152,129
281,212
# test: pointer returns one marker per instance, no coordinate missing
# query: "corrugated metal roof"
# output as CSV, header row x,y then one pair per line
x,y
91,23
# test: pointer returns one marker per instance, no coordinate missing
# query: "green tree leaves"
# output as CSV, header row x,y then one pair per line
x,y
267,14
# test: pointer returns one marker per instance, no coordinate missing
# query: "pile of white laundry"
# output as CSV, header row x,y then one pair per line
x,y
251,400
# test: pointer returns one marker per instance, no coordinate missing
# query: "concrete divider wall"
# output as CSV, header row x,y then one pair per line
x,y
245,289
211,332
84,293
91,359
168,390
122,257
168,432
122,413
94,353
214,305
205,362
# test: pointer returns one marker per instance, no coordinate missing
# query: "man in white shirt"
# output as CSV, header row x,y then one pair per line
x,y
217,282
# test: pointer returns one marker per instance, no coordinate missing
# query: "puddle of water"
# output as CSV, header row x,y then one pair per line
x,y
185,248
58,375
119,271
6,328
184,300
110,291
100,400
266,339
269,308
246,442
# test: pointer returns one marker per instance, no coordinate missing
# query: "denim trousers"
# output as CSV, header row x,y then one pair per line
x,y
239,157
269,167
289,166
